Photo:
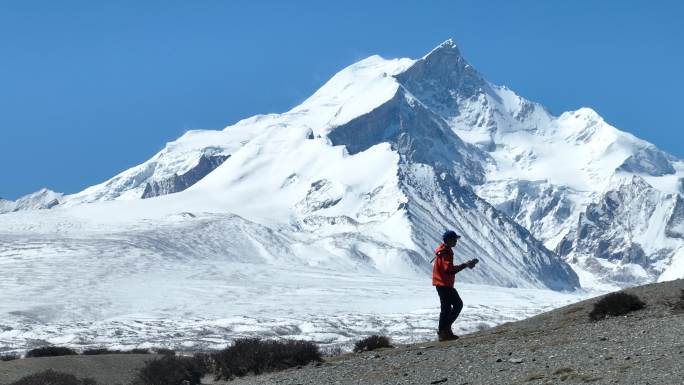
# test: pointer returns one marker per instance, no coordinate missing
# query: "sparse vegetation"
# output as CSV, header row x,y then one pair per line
x,y
51,351
51,377
93,352
255,356
206,362
170,370
371,343
165,351
615,304
9,357
96,351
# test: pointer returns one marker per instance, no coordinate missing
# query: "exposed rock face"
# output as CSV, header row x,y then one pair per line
x,y
418,134
181,182
542,208
442,79
614,239
675,225
322,195
649,161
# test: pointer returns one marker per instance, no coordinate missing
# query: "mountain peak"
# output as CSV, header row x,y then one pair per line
x,y
442,77
448,48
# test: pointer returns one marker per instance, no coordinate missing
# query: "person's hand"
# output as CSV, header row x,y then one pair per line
x,y
472,263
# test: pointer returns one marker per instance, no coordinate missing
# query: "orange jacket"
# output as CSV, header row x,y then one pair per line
x,y
444,271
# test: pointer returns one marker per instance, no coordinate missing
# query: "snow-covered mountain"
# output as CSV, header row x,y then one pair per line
x,y
39,200
545,171
346,193
301,172
359,180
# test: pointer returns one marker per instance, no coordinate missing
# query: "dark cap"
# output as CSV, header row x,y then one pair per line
x,y
450,234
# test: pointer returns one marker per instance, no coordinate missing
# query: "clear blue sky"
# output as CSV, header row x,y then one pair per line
x,y
88,89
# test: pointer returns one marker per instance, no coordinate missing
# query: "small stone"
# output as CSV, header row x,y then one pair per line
x,y
515,361
510,353
499,360
603,339
628,358
419,353
376,356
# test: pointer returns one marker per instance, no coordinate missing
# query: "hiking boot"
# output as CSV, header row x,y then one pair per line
x,y
452,335
446,335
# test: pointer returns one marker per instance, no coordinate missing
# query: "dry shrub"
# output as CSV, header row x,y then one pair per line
x,y
51,351
371,343
51,377
170,370
255,356
615,304
165,351
9,357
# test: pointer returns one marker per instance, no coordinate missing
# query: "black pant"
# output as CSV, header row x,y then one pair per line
x,y
451,306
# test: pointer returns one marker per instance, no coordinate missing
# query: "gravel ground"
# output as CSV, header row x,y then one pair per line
x,y
106,369
561,346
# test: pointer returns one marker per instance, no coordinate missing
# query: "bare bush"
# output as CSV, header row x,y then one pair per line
x,y
170,370
51,351
9,357
255,356
165,351
51,377
615,304
371,343
97,351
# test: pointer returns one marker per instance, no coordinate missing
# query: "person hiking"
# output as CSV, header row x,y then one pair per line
x,y
443,275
